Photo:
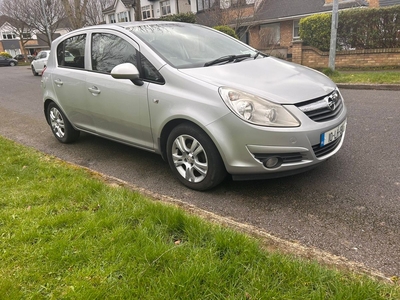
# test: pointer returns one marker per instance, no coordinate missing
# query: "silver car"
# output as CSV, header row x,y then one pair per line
x,y
209,104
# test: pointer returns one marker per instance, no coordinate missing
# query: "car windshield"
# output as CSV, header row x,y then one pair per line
x,y
190,46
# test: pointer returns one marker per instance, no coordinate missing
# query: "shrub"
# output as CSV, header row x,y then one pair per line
x,y
182,17
315,31
5,54
227,30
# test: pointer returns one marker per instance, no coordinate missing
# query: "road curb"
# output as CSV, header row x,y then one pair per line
x,y
388,87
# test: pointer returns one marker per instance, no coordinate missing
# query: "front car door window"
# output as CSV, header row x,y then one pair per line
x,y
109,50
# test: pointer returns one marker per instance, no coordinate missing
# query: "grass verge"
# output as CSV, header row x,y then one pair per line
x,y
364,77
64,234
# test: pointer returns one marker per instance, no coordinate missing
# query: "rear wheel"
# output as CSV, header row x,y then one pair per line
x,y
194,159
60,126
34,71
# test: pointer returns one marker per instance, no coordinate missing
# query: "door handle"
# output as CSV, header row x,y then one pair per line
x,y
94,90
58,82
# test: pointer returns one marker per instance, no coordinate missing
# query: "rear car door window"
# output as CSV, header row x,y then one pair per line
x,y
71,52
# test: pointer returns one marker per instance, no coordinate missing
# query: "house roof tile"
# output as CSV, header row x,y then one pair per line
x,y
281,9
389,2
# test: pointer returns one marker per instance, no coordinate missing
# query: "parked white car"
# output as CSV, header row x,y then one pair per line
x,y
40,62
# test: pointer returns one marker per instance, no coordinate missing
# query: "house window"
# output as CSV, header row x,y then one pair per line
x,y
123,16
9,36
270,34
147,12
27,35
112,18
165,8
296,29
206,4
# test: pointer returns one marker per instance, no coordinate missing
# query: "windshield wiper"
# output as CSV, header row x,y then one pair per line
x,y
260,53
227,58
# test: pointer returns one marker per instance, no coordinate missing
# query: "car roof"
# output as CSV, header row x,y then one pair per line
x,y
132,24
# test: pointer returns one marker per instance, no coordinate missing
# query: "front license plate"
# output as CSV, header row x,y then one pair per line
x,y
333,134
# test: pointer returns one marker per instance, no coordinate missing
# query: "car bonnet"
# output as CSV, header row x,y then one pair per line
x,y
273,79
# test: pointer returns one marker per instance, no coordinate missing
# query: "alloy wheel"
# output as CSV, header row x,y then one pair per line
x,y
57,122
190,158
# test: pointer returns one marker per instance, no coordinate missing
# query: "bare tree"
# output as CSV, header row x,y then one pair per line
x,y
94,11
76,12
138,10
15,10
46,19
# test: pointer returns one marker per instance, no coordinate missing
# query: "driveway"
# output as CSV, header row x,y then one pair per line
x,y
349,206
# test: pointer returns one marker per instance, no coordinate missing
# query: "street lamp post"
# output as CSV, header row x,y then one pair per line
x,y
334,26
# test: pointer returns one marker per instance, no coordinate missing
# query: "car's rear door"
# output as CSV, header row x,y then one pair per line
x,y
69,81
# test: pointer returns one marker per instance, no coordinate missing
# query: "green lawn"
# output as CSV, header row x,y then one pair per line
x,y
65,234
372,77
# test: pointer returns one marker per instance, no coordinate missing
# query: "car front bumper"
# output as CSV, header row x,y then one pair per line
x,y
245,148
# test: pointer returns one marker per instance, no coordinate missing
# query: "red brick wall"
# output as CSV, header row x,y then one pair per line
x,y
314,58
286,33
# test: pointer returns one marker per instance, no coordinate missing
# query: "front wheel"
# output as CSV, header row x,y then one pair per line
x,y
194,159
60,126
12,64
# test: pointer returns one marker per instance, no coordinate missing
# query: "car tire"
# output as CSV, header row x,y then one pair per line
x,y
12,64
194,158
34,71
60,126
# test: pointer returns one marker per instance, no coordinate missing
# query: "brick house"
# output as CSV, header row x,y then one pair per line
x,y
10,41
275,25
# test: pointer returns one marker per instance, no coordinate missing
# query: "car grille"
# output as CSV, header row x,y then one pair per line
x,y
286,157
322,109
321,151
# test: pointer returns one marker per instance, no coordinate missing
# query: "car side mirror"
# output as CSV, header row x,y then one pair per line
x,y
127,71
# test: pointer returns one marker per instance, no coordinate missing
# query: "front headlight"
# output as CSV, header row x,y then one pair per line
x,y
256,110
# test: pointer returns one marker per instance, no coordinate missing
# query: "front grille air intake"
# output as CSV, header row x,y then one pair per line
x,y
324,108
322,151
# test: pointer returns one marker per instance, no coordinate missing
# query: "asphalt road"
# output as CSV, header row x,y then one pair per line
x,y
349,206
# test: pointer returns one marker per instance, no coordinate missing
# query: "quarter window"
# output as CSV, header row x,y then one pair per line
x,y
109,50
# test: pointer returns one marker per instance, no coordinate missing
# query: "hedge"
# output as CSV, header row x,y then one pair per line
x,y
359,28
182,17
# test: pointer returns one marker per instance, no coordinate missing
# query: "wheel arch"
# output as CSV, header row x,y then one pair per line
x,y
45,106
168,127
